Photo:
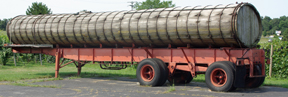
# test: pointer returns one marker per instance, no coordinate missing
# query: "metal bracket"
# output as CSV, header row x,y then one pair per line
x,y
149,53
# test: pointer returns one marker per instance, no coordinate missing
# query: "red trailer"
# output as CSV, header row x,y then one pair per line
x,y
167,43
225,68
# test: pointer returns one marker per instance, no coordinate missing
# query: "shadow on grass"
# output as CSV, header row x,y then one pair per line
x,y
88,74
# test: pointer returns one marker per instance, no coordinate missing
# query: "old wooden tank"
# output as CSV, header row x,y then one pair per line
x,y
237,25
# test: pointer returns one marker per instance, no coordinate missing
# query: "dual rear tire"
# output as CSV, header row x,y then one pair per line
x,y
152,72
220,76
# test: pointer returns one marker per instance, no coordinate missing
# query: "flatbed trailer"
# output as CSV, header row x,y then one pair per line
x,y
174,44
225,68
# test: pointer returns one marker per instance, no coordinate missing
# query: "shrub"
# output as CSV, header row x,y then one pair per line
x,y
280,57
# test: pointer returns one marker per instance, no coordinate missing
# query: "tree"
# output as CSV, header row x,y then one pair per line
x,y
285,35
38,8
149,4
3,24
264,33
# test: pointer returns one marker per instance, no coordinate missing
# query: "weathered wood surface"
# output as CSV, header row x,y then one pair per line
x,y
217,26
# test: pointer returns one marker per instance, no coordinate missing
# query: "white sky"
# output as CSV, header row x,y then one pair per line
x,y
12,8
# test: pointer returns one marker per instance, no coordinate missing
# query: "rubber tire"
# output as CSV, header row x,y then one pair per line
x,y
157,72
228,86
233,66
256,82
176,77
261,79
164,71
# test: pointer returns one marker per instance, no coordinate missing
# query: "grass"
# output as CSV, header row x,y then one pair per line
x,y
276,82
35,70
171,89
199,78
3,32
263,40
46,72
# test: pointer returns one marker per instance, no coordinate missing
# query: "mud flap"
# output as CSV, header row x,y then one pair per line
x,y
240,73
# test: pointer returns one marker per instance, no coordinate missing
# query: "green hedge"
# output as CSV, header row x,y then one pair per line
x,y
280,57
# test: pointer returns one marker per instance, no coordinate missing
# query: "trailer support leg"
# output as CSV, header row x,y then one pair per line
x,y
57,55
79,68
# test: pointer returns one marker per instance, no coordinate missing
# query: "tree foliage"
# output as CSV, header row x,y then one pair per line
x,y
149,4
285,35
38,8
3,24
271,25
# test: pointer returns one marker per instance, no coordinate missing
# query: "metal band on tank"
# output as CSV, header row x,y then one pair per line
x,y
138,28
156,26
166,27
96,28
39,28
33,28
74,30
210,35
198,24
51,28
233,25
24,17
177,24
220,23
130,36
20,31
104,29
88,27
8,33
58,28
7,28
147,27
187,23
26,30
81,28
65,27
112,26
121,29
34,24
45,29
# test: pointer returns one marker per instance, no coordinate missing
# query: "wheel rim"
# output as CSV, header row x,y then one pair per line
x,y
147,73
218,77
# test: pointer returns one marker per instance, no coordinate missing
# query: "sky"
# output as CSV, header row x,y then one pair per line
x,y
12,8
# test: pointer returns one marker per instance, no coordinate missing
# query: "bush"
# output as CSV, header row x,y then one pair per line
x,y
280,58
5,53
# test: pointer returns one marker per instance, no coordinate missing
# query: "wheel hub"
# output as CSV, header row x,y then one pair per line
x,y
218,77
147,73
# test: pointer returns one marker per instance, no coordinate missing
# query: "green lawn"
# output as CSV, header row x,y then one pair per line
x,y
263,40
35,71
3,32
